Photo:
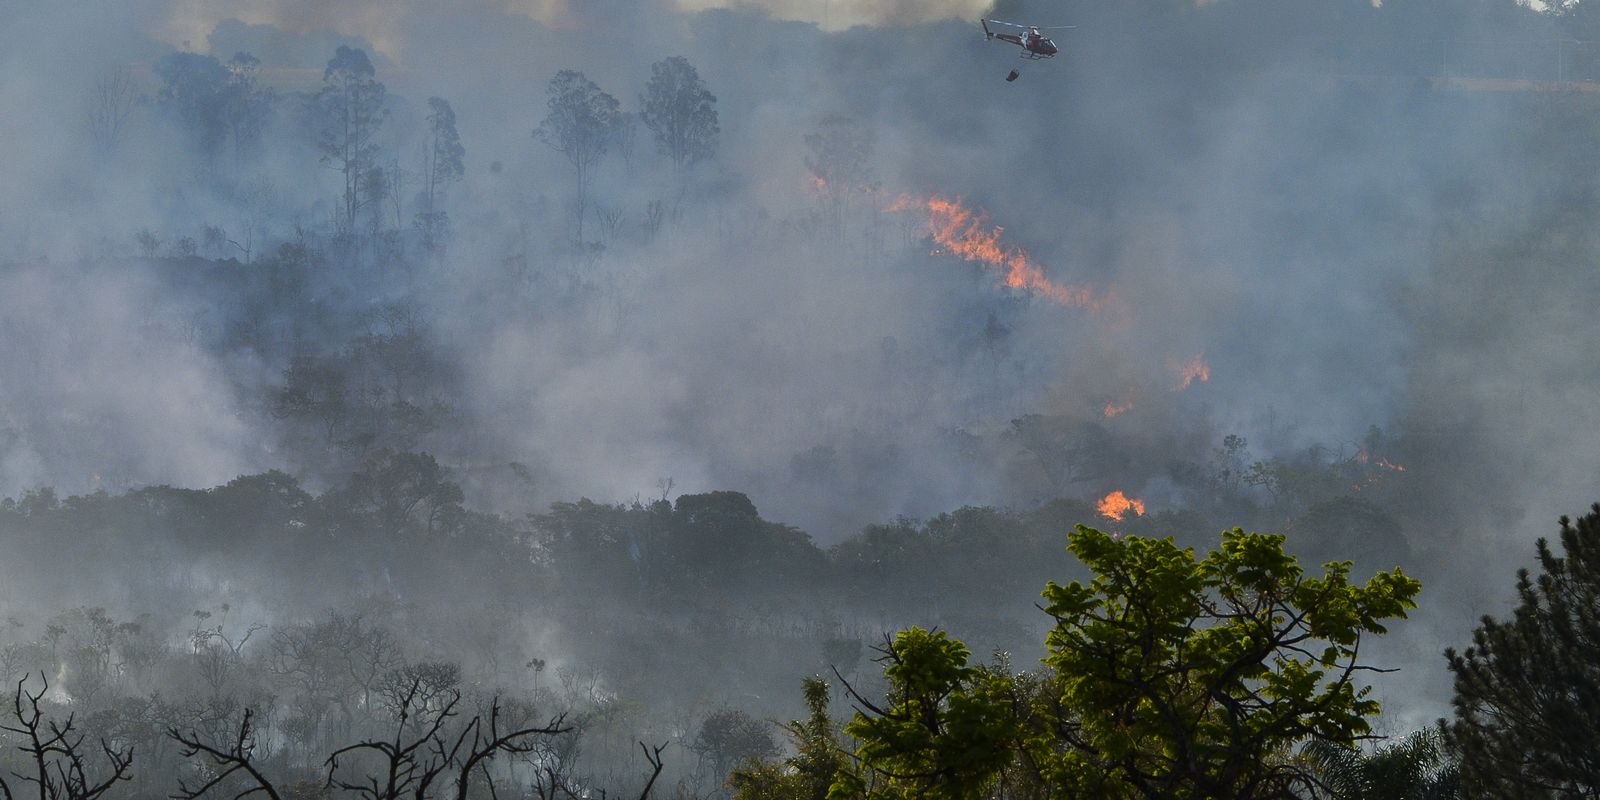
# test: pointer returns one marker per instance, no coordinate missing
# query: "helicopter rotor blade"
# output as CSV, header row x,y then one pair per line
x,y
1003,22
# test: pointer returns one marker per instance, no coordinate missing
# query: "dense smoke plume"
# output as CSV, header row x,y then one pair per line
x,y
1291,223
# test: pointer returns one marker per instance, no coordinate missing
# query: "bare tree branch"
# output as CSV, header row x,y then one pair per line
x,y
237,758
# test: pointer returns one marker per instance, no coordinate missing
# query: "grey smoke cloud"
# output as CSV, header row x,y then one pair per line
x,y
1254,187
107,386
1245,200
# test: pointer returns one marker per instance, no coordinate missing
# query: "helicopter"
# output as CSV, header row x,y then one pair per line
x,y
1034,44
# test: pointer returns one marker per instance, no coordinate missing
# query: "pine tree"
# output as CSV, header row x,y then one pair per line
x,y
1527,692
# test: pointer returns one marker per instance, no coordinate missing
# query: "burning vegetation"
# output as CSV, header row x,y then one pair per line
x,y
594,315
1194,369
970,236
1116,505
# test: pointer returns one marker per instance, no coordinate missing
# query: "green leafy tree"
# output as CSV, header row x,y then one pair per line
x,y
1167,676
1414,768
1193,677
806,775
1527,692
946,733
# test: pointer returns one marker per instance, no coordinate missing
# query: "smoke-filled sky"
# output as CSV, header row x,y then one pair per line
x,y
1314,200
381,23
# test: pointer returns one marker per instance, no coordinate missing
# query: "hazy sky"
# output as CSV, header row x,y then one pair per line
x,y
1201,166
1295,195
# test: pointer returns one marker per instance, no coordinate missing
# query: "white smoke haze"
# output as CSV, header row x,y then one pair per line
x,y
838,15
1299,198
107,387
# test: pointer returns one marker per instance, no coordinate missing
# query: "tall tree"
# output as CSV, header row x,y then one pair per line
x,y
314,388
730,737
840,160
351,105
1527,692
192,90
399,490
110,105
216,103
246,105
841,152
680,112
581,125
1166,676
442,165
809,772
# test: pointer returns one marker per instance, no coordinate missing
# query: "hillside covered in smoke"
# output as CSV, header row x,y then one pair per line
x,y
639,359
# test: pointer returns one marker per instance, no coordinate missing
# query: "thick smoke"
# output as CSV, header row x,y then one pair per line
x,y
1316,200
108,386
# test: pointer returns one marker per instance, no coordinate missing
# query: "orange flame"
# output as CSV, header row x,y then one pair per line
x,y
1195,369
1362,457
969,235
1113,409
1116,505
818,184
